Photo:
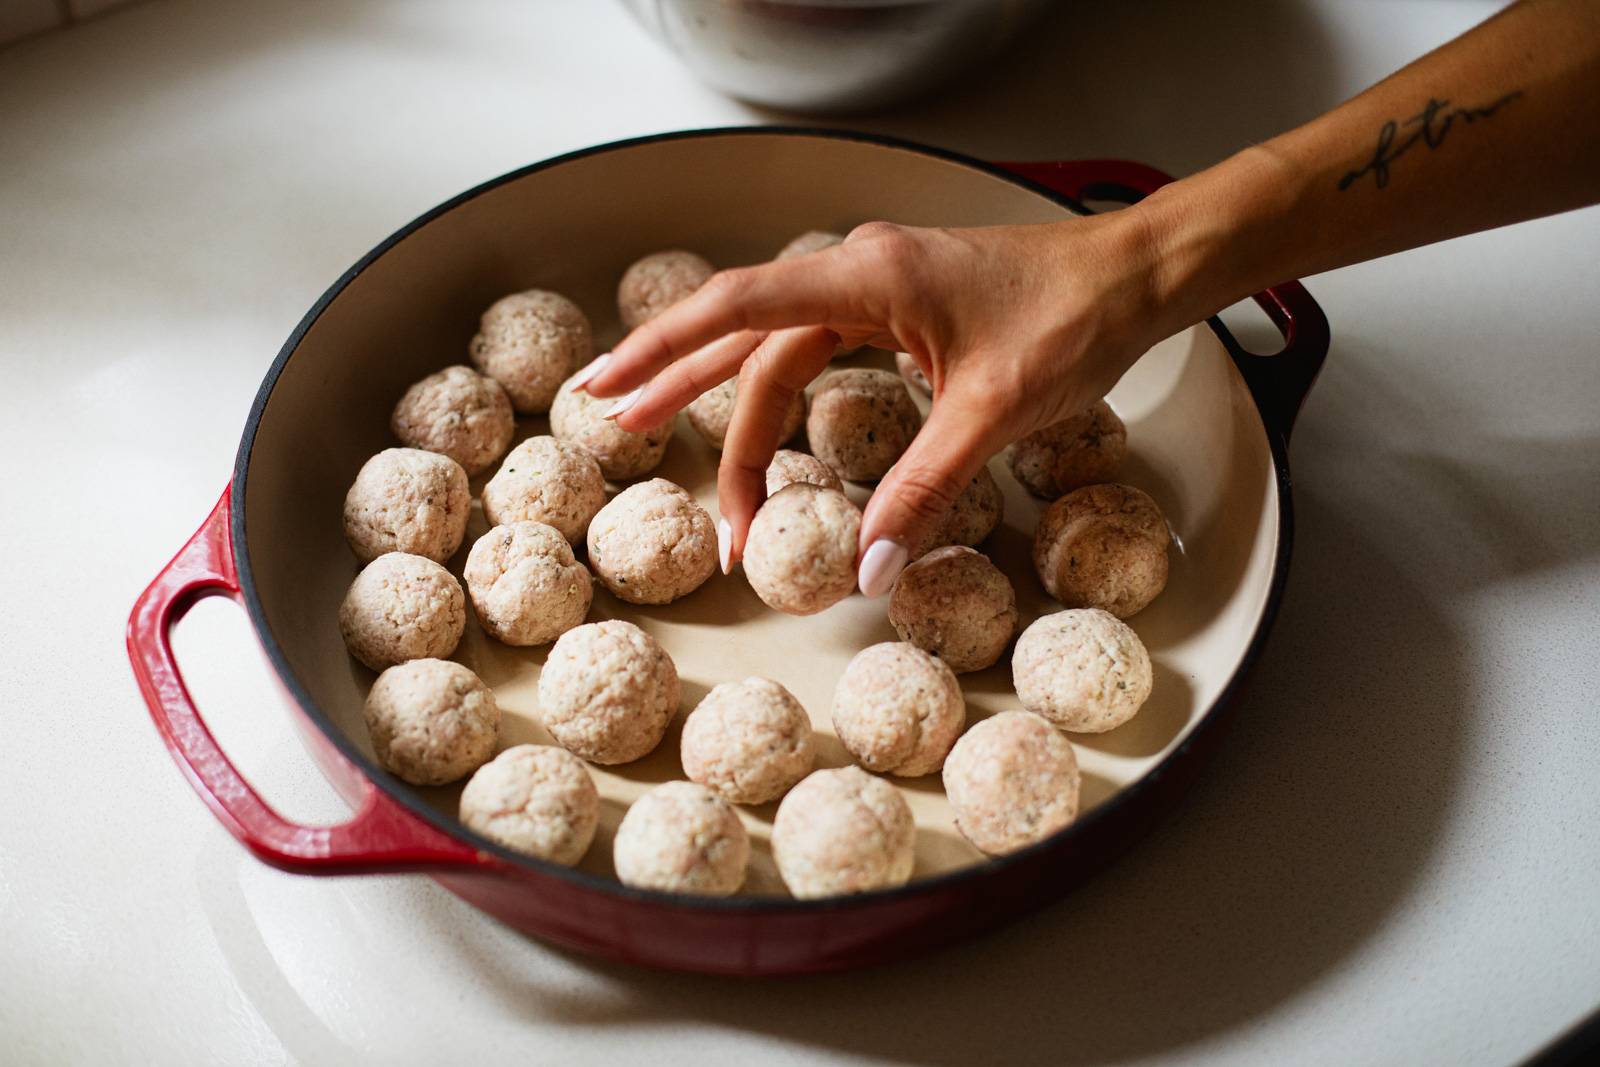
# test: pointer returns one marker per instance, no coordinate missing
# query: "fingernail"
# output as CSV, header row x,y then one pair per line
x,y
624,404
725,545
881,566
595,366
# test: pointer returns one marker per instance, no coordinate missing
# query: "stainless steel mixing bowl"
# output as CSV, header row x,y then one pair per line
x,y
831,55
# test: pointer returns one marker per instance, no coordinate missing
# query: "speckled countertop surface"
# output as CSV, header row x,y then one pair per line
x,y
1394,861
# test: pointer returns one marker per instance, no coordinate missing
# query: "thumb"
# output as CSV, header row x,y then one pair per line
x,y
919,489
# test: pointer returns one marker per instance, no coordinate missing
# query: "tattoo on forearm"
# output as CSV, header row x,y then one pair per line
x,y
1429,127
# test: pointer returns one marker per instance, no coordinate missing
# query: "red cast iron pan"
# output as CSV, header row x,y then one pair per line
x,y
1213,419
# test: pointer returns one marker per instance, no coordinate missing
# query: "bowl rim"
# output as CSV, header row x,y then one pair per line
x,y
738,906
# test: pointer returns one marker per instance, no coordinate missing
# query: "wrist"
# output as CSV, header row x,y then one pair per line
x,y
1214,238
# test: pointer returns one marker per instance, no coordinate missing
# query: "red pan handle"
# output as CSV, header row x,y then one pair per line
x,y
1280,383
381,836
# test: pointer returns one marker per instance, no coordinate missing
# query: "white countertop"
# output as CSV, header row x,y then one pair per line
x,y
1396,859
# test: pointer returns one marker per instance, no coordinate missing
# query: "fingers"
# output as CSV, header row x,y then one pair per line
x,y
832,288
784,364
957,440
670,391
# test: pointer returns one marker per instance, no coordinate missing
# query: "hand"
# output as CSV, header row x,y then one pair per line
x,y
1016,327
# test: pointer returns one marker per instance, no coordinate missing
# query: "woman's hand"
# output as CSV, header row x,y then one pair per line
x,y
1020,326
1016,327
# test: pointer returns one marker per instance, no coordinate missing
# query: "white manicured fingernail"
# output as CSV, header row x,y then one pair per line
x,y
725,545
624,404
595,366
881,566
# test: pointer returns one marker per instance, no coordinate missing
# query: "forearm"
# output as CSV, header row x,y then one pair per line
x,y
1498,126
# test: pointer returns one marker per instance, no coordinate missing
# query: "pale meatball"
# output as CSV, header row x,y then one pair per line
x,y
458,413
579,419
407,500
535,799
749,741
653,544
530,343
974,515
431,721
711,413
1083,669
608,691
1082,450
526,586
809,242
843,831
1103,546
861,421
788,467
912,373
800,554
549,481
955,604
1012,780
898,710
682,838
656,282
402,607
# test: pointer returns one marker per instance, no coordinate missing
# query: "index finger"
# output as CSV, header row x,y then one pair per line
x,y
821,289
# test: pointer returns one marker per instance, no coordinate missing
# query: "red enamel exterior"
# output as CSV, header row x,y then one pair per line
x,y
380,836
749,938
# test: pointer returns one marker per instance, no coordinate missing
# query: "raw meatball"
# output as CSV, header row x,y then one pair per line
x,y
1083,450
957,605
1103,546
458,413
656,282
579,419
607,691
548,481
911,372
407,500
843,831
800,555
1085,670
789,467
898,710
750,741
526,587
431,721
682,838
809,242
861,421
711,412
653,544
1012,780
973,517
530,343
534,799
402,607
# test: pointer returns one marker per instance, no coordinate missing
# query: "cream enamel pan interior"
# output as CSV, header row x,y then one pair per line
x,y
1197,439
